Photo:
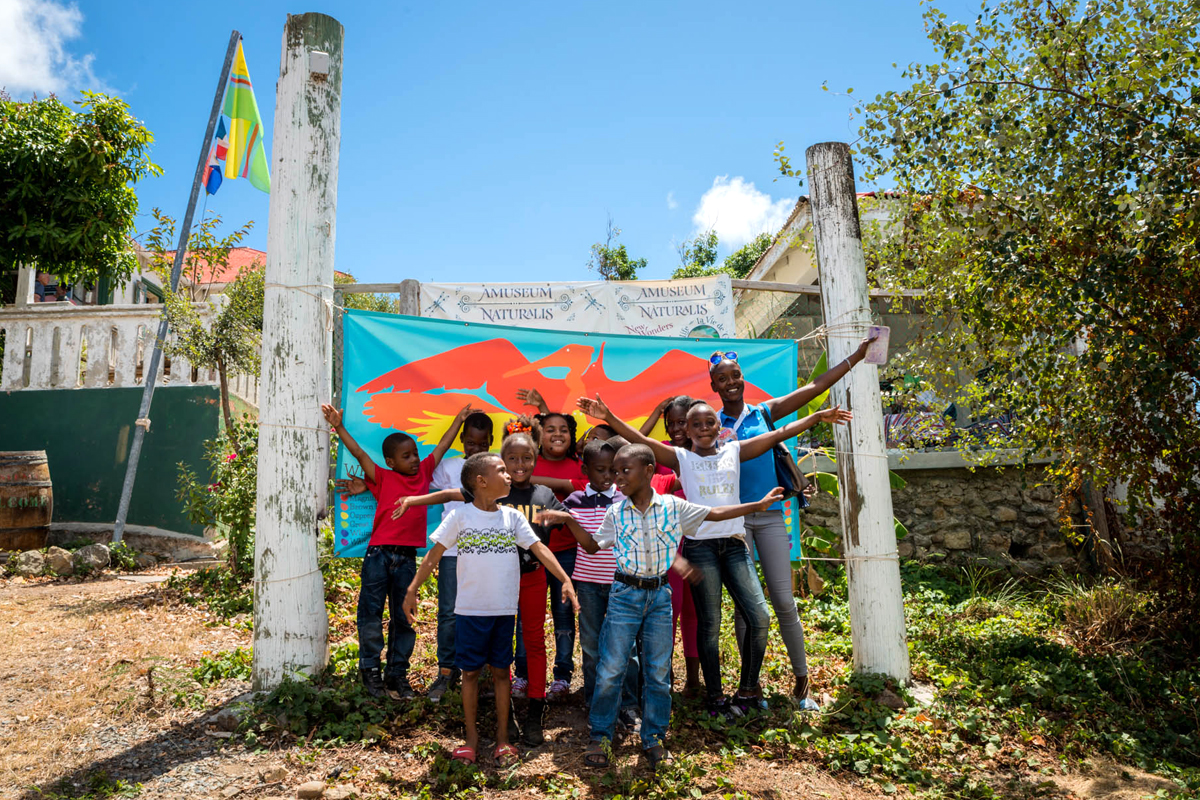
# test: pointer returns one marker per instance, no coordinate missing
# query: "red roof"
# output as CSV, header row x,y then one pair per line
x,y
239,258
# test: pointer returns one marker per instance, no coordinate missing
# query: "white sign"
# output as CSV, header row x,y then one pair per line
x,y
691,307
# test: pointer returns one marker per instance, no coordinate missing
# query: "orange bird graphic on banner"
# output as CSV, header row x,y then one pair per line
x,y
422,396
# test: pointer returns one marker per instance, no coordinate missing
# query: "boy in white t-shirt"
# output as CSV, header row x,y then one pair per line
x,y
710,474
487,536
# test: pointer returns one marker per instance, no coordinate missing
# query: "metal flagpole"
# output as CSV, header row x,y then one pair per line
x,y
143,421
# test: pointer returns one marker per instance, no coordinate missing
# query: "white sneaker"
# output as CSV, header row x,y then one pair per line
x,y
520,687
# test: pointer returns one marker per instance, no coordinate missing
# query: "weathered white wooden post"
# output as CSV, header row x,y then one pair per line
x,y
290,623
868,535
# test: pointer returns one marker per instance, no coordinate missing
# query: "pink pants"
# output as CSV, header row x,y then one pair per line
x,y
682,606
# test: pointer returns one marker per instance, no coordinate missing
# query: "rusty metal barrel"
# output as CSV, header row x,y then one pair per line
x,y
26,499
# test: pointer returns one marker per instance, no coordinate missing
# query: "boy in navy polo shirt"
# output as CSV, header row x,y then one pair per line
x,y
391,558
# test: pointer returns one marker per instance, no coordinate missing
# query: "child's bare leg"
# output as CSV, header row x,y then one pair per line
x,y
503,685
470,699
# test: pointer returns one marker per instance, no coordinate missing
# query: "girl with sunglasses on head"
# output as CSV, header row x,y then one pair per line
x,y
765,530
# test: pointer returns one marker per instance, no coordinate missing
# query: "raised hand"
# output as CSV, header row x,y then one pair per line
x,y
532,397
463,413
835,416
355,484
332,415
593,408
861,352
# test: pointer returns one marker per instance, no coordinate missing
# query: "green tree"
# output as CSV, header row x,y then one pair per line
x,y
67,202
611,260
698,256
1049,157
365,302
228,337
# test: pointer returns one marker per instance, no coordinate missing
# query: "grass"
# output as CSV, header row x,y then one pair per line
x,y
1028,680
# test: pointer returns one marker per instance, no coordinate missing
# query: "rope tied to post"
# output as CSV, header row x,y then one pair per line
x,y
326,302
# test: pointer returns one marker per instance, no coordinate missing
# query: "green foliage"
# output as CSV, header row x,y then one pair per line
x,y
698,257
366,302
228,499
229,339
612,261
97,786
122,558
66,199
1049,160
231,664
223,593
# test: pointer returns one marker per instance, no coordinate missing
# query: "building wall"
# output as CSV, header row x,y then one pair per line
x,y
995,515
86,434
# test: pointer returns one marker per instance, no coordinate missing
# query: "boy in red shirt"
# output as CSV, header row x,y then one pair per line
x,y
391,559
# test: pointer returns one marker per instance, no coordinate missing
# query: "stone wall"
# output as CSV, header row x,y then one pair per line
x,y
998,516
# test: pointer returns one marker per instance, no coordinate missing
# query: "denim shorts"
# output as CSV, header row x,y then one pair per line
x,y
483,640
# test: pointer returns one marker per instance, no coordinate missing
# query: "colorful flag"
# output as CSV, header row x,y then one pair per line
x,y
212,171
246,156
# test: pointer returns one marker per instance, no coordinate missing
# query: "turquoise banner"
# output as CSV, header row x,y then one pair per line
x,y
413,375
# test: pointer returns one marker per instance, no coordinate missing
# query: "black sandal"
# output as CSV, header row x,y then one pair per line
x,y
658,755
594,756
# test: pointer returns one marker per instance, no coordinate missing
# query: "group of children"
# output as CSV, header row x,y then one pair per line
x,y
632,535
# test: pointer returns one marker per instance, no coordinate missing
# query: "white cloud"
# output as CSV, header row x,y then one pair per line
x,y
672,203
33,48
738,212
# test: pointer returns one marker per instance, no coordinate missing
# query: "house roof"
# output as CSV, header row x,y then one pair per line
x,y
239,258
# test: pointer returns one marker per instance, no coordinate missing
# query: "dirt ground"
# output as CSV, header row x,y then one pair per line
x,y
95,681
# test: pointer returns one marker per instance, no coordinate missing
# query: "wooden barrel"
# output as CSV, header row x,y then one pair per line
x,y
26,499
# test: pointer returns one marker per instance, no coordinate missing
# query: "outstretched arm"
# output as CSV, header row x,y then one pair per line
x,y
448,437
432,499
756,446
554,568
730,512
549,518
427,564
658,411
663,454
556,485
334,417
792,402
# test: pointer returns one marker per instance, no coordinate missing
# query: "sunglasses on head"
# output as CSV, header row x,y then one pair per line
x,y
717,358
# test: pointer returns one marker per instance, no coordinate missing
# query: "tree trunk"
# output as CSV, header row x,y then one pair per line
x,y
233,442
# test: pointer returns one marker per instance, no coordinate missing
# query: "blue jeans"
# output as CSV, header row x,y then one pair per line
x,y
593,607
726,562
447,594
386,575
564,619
631,612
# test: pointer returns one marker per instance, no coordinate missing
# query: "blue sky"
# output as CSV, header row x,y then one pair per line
x,y
487,141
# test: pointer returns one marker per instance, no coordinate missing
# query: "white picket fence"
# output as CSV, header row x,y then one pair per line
x,y
59,346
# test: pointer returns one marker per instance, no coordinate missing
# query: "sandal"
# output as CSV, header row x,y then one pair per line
x,y
594,756
506,755
463,755
658,755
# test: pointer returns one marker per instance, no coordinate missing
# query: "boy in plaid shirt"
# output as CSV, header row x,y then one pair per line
x,y
644,530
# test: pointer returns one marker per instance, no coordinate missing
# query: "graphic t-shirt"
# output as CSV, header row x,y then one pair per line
x,y
758,474
713,481
567,469
489,544
448,475
588,507
389,487
529,500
